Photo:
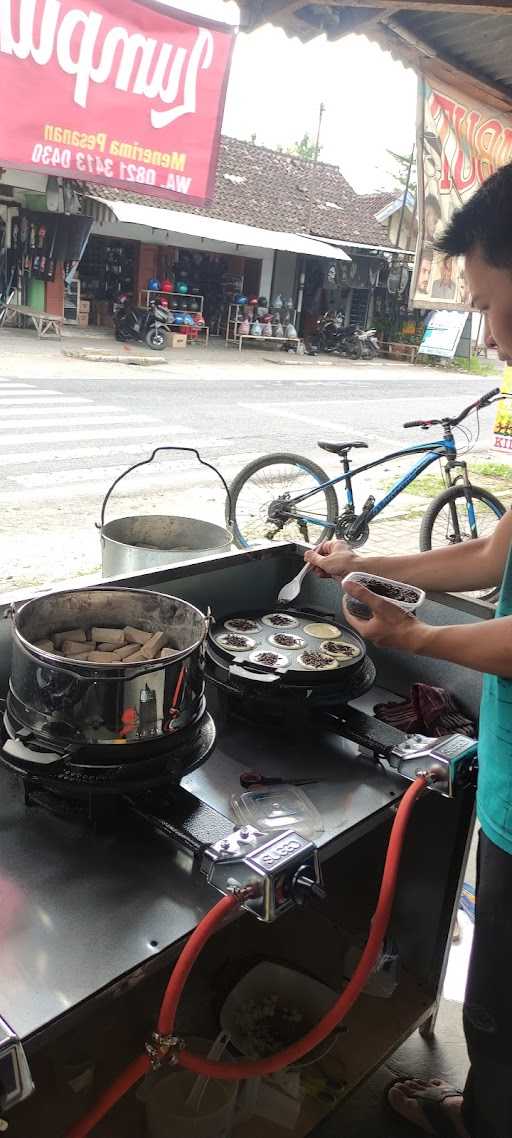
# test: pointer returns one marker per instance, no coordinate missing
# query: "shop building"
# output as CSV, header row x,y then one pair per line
x,y
277,226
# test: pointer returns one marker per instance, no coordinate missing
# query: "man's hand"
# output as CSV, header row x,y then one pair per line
x,y
332,559
389,626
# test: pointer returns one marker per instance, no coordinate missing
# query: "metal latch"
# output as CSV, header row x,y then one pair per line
x,y
273,873
439,759
15,1079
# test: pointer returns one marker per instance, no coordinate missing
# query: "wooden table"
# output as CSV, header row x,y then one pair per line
x,y
43,322
400,350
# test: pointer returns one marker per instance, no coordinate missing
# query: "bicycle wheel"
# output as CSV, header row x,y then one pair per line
x,y
446,522
280,476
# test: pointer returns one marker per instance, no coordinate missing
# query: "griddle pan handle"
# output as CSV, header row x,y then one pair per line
x,y
247,674
146,461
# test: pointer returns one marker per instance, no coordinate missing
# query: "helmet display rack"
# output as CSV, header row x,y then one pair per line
x,y
238,314
146,295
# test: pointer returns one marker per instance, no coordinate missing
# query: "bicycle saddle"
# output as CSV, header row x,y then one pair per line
x,y
340,448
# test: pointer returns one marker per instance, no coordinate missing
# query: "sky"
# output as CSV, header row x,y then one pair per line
x,y
370,99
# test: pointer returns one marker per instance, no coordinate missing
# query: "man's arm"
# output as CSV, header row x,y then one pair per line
x,y
485,647
471,565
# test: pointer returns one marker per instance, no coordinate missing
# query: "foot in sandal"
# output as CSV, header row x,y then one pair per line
x,y
434,1107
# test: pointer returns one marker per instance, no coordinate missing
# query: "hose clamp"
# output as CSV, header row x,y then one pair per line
x,y
162,1049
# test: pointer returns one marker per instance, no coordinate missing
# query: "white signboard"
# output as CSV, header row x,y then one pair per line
x,y
443,333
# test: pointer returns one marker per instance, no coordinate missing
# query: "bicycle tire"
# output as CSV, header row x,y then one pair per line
x,y
451,495
305,464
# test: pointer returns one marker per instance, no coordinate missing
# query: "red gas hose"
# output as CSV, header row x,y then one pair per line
x,y
251,1068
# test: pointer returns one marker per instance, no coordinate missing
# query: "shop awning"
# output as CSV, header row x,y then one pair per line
x,y
212,229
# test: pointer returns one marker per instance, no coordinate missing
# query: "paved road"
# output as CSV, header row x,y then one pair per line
x,y
63,441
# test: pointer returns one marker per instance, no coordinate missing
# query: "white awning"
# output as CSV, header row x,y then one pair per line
x,y
210,228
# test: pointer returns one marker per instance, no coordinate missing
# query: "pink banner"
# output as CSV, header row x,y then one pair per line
x,y
125,93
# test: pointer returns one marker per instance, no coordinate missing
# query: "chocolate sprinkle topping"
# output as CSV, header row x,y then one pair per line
x,y
315,659
268,658
287,640
236,641
243,624
280,620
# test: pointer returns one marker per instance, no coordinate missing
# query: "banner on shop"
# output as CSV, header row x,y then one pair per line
x,y
503,420
126,93
460,144
443,334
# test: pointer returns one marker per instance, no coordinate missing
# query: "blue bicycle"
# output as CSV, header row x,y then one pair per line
x,y
287,498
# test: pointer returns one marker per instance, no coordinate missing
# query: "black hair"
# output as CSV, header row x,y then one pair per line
x,y
484,223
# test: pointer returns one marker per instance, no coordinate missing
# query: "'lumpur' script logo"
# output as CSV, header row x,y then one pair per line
x,y
157,71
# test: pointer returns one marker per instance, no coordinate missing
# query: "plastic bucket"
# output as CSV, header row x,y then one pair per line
x,y
139,542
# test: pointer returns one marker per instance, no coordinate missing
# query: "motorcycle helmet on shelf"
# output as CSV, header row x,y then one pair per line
x,y
253,300
256,329
178,318
268,318
263,301
188,319
244,328
267,329
182,287
183,304
153,285
167,286
193,306
163,302
198,319
291,331
239,298
277,330
174,304
277,301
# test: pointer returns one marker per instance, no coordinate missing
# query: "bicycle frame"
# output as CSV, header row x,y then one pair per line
x,y
431,452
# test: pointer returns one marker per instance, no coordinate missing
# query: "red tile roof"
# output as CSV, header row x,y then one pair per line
x,y
271,189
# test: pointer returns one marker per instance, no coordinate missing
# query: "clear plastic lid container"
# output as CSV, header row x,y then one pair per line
x,y
275,808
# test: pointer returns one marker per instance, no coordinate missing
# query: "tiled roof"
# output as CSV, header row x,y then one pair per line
x,y
258,186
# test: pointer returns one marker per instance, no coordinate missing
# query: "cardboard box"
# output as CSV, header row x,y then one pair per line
x,y
84,306
83,319
178,340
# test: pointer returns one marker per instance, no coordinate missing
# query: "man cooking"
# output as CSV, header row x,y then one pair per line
x,y
481,232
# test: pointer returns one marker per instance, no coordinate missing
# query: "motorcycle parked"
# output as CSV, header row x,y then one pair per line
x,y
145,325
369,344
333,337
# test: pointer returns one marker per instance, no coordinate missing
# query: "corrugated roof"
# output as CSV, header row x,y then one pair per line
x,y
474,46
261,187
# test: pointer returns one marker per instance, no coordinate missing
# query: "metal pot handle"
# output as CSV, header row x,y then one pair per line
x,y
238,670
145,461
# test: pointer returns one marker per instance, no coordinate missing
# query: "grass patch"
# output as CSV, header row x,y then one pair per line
x,y
493,469
425,487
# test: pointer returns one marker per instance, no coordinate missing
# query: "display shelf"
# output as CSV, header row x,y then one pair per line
x,y
149,292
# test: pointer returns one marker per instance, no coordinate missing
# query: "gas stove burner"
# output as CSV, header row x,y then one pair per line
x,y
72,774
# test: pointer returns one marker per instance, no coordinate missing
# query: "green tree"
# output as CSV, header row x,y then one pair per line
x,y
304,149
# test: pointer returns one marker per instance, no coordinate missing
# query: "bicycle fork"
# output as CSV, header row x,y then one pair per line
x,y
453,464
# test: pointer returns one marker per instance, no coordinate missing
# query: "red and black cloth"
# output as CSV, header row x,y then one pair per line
x,y
428,711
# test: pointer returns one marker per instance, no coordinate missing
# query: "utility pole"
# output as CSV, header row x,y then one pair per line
x,y
314,164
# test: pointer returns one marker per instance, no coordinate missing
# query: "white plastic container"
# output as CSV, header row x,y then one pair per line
x,y
355,606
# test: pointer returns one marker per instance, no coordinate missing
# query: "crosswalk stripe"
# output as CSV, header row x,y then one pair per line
x,y
48,436
181,478
78,419
27,387
104,473
20,458
30,400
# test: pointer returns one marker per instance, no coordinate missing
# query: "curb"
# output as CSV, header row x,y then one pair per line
x,y
108,358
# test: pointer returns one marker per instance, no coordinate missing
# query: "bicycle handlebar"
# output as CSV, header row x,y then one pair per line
x,y
484,401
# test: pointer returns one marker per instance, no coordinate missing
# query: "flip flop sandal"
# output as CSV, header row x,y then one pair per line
x,y
431,1101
